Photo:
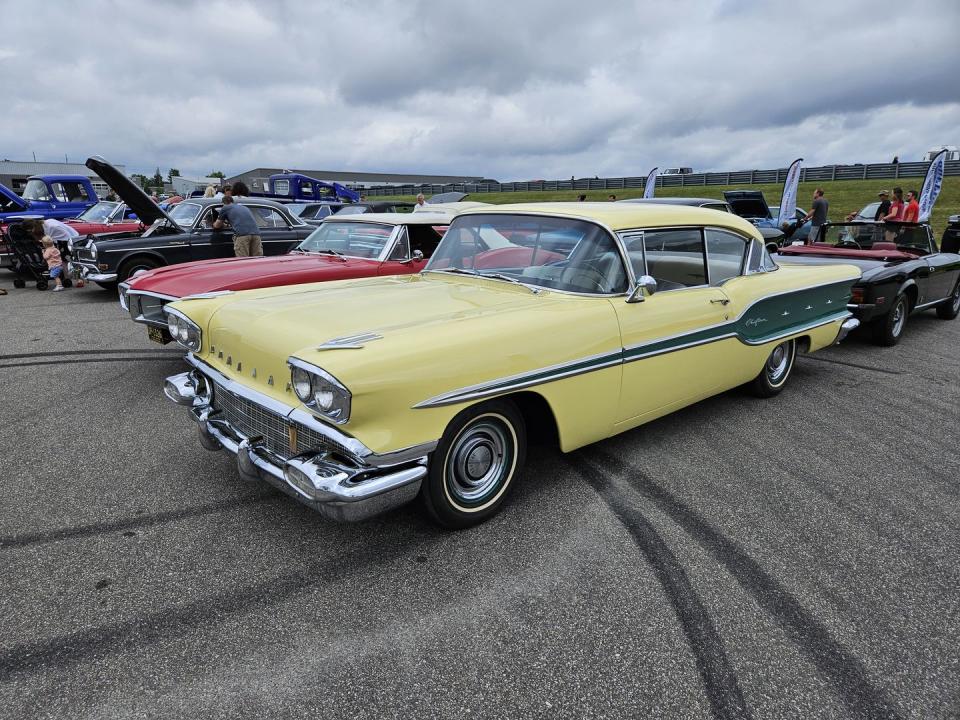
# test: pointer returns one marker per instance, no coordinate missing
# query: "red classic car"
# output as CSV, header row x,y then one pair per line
x,y
354,246
105,217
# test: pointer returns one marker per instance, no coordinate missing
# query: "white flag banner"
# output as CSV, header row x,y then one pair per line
x,y
931,185
788,202
651,184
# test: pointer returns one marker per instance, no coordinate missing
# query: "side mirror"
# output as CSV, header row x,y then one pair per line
x,y
417,256
645,287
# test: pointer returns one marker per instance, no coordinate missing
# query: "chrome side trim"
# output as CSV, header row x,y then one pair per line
x,y
159,296
932,302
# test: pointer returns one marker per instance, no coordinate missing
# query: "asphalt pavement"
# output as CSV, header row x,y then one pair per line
x,y
743,558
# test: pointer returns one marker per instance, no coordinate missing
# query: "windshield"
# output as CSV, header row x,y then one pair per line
x,y
869,211
877,236
559,253
36,190
296,208
352,210
99,213
184,214
362,240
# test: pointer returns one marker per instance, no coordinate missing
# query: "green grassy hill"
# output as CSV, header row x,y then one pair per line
x,y
844,195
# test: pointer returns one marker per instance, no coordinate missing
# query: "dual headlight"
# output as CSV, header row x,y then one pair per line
x,y
320,391
183,330
92,249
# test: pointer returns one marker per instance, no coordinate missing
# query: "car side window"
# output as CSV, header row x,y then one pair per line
x,y
267,217
725,255
423,238
675,258
401,251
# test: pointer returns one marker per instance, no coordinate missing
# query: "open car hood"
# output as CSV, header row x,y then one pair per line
x,y
135,198
10,202
749,204
447,197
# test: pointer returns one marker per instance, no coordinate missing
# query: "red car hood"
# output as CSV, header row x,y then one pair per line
x,y
92,228
247,273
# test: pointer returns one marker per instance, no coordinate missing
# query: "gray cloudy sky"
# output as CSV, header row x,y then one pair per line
x,y
511,90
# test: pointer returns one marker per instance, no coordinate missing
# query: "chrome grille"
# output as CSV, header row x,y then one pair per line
x,y
254,420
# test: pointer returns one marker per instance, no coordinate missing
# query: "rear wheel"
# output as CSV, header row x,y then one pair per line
x,y
889,329
472,470
950,308
776,370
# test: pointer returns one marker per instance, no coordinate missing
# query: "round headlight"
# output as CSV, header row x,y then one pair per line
x,y
324,399
183,332
301,383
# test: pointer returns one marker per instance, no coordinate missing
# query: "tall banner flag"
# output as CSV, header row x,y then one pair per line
x,y
931,185
650,184
788,202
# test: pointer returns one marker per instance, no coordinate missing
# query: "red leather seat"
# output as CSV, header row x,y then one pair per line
x,y
884,246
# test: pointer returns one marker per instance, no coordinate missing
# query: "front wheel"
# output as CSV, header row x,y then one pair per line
x,y
889,329
472,470
950,308
776,370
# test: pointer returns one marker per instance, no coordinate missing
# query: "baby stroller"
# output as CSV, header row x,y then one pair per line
x,y
28,259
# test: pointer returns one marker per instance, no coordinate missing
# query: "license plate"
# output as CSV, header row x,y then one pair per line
x,y
159,335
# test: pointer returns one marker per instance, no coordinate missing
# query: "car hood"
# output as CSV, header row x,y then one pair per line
x,y
245,273
750,204
135,198
429,324
10,202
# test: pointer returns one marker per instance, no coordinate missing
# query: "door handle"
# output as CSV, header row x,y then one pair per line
x,y
722,301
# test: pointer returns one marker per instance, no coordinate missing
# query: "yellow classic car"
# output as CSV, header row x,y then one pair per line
x,y
573,321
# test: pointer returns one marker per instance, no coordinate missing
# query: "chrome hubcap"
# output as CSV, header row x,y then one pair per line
x,y
899,317
956,298
778,363
478,461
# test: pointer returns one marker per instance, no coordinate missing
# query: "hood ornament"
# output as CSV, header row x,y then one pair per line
x,y
350,342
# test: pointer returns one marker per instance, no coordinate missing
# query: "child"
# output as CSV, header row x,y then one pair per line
x,y
54,261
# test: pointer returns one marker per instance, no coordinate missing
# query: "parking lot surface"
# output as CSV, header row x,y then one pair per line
x,y
795,557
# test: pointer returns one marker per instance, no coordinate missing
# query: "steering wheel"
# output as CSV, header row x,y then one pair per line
x,y
599,281
850,241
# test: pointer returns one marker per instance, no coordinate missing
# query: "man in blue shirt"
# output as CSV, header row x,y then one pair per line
x,y
246,232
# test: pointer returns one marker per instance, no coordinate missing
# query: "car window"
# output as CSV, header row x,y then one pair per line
x,y
527,250
424,238
401,251
675,258
725,255
914,237
267,217
184,214
363,240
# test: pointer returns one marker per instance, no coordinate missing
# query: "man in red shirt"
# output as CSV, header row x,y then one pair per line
x,y
912,212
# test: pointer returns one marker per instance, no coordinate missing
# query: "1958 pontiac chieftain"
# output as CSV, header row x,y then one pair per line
x,y
359,395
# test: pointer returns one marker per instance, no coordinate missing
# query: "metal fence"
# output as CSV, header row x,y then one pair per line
x,y
880,171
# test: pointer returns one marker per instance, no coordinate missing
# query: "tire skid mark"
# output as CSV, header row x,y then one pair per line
x,y
97,643
834,661
169,357
61,353
144,521
853,365
719,678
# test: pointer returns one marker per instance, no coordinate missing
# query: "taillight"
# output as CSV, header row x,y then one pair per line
x,y
856,295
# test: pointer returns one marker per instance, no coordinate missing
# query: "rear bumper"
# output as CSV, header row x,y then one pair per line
x,y
846,327
344,486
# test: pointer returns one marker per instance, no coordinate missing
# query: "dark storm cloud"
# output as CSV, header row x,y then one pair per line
x,y
503,89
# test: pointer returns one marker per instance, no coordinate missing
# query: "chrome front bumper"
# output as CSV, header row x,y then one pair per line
x,y
345,486
848,326
91,273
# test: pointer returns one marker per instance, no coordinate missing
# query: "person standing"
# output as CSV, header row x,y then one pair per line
x,y
818,214
911,214
884,207
54,262
895,213
246,232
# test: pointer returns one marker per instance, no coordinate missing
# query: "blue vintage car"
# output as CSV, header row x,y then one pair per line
x,y
49,196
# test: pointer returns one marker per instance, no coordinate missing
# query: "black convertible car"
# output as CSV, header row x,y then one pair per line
x,y
903,272
183,234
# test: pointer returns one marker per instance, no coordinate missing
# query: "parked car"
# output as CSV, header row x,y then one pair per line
x,y
385,206
358,396
49,196
950,242
314,213
752,205
867,213
677,171
106,217
355,246
903,272
184,234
